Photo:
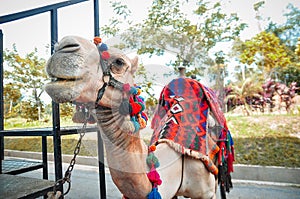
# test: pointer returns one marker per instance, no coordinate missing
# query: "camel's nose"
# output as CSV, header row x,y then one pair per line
x,y
67,44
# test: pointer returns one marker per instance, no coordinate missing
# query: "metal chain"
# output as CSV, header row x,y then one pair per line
x,y
67,177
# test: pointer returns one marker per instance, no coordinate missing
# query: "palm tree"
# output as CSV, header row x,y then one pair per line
x,y
240,94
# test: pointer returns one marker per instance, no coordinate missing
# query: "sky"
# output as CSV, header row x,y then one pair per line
x,y
34,32
77,19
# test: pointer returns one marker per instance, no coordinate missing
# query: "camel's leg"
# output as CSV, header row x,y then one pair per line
x,y
198,182
170,170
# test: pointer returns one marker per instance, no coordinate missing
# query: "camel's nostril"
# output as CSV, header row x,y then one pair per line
x,y
68,47
71,46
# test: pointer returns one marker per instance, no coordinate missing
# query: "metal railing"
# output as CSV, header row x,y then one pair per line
x,y
56,131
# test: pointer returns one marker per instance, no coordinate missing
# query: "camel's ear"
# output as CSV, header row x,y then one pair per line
x,y
134,64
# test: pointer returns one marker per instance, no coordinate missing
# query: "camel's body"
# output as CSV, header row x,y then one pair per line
x,y
76,65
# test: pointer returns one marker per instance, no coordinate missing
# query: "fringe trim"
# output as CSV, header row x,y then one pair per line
x,y
194,154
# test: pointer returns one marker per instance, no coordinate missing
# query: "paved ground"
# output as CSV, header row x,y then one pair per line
x,y
85,184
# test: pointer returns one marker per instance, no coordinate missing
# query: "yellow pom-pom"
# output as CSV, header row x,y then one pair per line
x,y
139,91
142,122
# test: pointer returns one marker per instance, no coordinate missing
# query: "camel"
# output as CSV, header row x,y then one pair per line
x,y
81,75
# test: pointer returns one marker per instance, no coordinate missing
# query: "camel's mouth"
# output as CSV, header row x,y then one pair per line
x,y
64,89
69,73
57,80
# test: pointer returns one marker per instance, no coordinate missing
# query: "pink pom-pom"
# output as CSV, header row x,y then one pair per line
x,y
126,87
105,55
140,99
154,177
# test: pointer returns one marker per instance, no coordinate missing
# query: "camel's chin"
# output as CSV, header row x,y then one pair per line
x,y
64,91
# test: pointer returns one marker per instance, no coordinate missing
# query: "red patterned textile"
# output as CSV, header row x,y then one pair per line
x,y
182,117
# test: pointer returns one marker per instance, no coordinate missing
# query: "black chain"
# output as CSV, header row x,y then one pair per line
x,y
67,177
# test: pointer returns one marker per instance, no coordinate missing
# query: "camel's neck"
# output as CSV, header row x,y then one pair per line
x,y
125,153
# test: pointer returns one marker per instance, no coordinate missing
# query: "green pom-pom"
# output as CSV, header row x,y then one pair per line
x,y
152,160
142,105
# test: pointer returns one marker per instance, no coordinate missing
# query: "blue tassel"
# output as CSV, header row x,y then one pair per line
x,y
154,194
136,126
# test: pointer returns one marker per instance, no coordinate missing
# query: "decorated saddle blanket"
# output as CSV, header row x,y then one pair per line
x,y
190,120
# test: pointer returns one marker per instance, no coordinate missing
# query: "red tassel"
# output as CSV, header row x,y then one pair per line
x,y
144,115
221,146
230,162
232,151
136,108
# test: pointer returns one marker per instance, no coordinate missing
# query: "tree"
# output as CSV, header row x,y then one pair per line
x,y
258,15
289,74
289,35
66,110
266,51
26,74
188,35
273,51
288,32
297,50
12,96
147,87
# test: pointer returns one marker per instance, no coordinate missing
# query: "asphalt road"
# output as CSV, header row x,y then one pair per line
x,y
85,184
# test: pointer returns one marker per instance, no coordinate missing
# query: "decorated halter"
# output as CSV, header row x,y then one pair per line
x,y
107,78
135,105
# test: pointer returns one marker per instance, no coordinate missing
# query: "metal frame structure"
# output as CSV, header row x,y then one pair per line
x,y
56,131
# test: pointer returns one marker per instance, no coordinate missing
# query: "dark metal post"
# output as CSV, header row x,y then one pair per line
x,y
96,18
100,141
44,157
55,109
1,102
101,166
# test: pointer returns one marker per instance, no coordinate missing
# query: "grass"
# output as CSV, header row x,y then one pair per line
x,y
21,123
266,140
270,140
34,144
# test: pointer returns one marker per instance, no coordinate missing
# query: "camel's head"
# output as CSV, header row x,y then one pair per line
x,y
78,76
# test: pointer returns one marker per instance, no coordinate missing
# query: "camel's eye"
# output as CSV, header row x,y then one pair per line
x,y
119,62
118,66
